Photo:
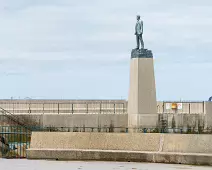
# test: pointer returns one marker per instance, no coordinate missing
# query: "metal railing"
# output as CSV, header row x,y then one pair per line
x,y
92,107
14,140
66,108
12,117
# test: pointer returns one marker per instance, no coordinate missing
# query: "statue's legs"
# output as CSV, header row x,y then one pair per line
x,y
139,40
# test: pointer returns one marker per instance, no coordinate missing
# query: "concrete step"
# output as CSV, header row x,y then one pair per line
x,y
120,155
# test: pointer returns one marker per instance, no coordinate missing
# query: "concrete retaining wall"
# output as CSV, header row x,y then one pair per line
x,y
187,143
105,120
168,148
80,120
185,120
85,120
125,156
102,141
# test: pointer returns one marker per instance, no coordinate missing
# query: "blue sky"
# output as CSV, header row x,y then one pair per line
x,y
65,49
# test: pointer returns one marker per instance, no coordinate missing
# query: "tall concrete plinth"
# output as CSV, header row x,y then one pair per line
x,y
142,105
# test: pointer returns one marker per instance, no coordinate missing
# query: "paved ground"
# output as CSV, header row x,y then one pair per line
x,y
22,164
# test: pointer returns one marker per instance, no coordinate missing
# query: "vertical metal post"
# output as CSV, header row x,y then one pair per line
x,y
11,137
58,108
203,106
13,108
29,108
26,140
100,107
114,108
72,108
163,106
2,137
43,108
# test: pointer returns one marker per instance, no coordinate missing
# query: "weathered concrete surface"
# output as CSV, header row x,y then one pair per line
x,y
95,120
148,120
102,141
114,155
71,120
187,143
208,110
142,92
185,120
160,148
106,120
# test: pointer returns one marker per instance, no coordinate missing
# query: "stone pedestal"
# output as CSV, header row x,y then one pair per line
x,y
142,105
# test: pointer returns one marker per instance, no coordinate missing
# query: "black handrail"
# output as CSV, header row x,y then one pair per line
x,y
13,118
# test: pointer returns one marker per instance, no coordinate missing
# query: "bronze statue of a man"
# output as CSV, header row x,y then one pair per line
x,y
139,32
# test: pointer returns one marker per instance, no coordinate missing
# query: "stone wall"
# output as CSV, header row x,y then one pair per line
x,y
138,147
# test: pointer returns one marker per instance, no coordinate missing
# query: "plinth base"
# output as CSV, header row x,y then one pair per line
x,y
141,53
142,92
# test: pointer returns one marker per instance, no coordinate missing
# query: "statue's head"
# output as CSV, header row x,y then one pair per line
x,y
138,17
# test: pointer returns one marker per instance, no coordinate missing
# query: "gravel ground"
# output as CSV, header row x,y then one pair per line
x,y
23,164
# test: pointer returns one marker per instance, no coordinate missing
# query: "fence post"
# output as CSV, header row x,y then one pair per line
x,y
13,108
58,108
29,108
43,108
72,108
